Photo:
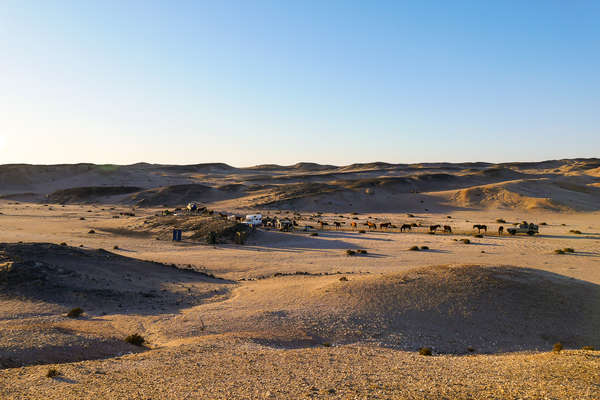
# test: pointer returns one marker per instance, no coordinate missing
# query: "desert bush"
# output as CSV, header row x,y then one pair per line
x,y
543,223
135,339
314,234
557,348
414,248
81,218
115,247
361,251
569,250
424,247
63,244
410,215
91,231
465,241
425,351
588,348
500,221
559,251
575,231
350,252
479,235
75,312
52,373
362,231
343,279
470,349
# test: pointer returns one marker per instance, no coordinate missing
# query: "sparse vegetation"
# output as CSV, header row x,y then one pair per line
x,y
362,231
591,348
557,348
559,251
75,312
350,252
63,244
470,349
543,223
135,339
414,248
52,373
425,351
575,231
115,247
569,250
91,231
424,247
501,221
343,279
361,251
465,241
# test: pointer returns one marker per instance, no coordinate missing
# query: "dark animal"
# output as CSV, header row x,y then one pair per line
x,y
433,228
385,225
337,225
500,230
405,227
372,225
353,225
480,227
447,229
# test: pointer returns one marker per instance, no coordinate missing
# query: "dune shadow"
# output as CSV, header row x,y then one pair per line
x,y
104,282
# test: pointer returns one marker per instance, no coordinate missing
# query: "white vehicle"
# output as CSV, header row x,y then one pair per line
x,y
253,219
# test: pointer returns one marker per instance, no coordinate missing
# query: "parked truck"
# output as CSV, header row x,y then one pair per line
x,y
528,228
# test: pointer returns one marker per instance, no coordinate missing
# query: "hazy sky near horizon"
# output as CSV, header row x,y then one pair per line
x,y
251,82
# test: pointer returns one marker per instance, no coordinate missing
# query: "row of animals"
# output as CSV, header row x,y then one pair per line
x,y
403,227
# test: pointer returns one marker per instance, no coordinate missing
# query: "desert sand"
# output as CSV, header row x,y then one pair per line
x,y
291,314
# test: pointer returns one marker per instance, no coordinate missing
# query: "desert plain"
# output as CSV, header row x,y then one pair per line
x,y
323,310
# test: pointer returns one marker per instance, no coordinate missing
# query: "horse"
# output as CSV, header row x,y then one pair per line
x,y
480,227
354,225
385,225
433,228
404,227
372,225
500,230
322,224
337,224
447,229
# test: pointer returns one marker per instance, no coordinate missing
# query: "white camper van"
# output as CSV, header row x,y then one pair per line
x,y
253,219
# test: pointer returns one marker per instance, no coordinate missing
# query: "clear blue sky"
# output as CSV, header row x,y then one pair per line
x,y
251,82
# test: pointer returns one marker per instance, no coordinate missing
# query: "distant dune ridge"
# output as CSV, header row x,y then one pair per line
x,y
571,184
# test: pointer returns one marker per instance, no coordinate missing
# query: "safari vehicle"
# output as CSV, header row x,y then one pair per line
x,y
253,219
530,229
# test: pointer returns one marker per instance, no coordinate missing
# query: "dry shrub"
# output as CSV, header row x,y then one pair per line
x,y
350,252
557,348
52,373
414,248
135,339
465,241
424,247
75,312
361,251
425,351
